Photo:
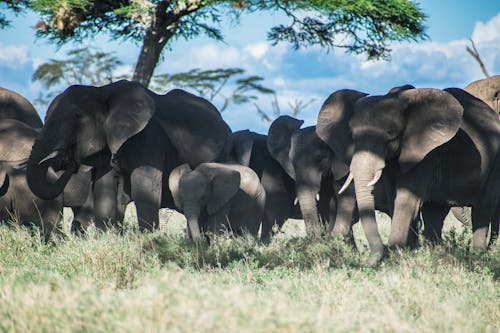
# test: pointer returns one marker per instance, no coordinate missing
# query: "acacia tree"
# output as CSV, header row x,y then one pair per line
x,y
363,26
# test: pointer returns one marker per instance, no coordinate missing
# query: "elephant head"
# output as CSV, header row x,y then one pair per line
x,y
15,106
487,90
333,122
202,192
84,122
308,160
405,125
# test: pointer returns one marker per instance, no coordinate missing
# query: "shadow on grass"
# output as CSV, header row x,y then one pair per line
x,y
297,253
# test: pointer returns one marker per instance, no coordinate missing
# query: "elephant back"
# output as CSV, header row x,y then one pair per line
x,y
15,106
194,126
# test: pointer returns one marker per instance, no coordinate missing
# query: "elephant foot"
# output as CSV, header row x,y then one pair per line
x,y
376,257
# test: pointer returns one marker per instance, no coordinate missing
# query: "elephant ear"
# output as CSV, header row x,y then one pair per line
x,y
130,109
433,117
279,139
224,186
173,182
16,140
333,122
241,147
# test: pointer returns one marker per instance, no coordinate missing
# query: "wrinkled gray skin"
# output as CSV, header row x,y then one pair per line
x,y
487,90
17,202
446,144
315,170
250,149
130,137
15,106
218,197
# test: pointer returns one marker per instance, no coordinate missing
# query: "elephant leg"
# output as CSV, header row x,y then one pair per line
x,y
406,208
146,186
480,226
495,225
104,198
346,207
413,233
433,216
83,216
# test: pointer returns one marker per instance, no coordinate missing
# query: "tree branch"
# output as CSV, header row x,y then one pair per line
x,y
475,54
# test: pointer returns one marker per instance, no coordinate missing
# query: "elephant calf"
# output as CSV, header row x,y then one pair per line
x,y
216,197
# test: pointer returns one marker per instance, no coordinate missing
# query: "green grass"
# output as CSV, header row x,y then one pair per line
x,y
107,282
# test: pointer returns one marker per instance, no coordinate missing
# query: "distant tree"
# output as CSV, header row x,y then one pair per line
x,y
15,6
366,26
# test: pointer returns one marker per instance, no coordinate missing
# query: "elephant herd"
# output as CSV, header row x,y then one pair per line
x,y
414,153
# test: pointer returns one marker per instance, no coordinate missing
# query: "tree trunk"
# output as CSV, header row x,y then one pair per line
x,y
162,29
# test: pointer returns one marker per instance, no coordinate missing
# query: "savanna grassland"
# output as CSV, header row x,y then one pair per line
x,y
112,282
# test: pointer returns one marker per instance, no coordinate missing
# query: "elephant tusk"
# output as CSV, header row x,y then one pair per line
x,y
49,156
317,197
347,183
296,201
21,166
375,179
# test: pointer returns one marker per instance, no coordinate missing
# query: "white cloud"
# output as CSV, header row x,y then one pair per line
x,y
487,33
13,56
257,50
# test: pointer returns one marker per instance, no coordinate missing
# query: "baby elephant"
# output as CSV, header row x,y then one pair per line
x,y
216,197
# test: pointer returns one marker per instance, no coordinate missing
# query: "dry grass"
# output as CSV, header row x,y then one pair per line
x,y
161,282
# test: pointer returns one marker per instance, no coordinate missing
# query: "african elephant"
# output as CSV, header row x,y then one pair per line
x,y
129,136
446,144
15,106
250,149
17,202
487,90
216,197
315,170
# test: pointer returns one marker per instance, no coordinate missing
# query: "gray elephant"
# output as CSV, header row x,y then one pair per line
x,y
15,106
17,202
487,90
446,145
130,137
218,197
315,170
250,149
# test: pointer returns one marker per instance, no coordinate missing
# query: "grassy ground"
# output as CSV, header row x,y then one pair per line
x,y
108,282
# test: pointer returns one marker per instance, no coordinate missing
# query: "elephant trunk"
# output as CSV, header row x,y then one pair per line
x,y
365,167
309,210
192,213
42,181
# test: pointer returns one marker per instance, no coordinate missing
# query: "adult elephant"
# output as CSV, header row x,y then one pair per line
x,y
446,144
130,137
17,202
315,170
487,90
218,197
16,107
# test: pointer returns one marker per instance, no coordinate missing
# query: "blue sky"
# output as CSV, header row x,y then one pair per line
x,y
307,74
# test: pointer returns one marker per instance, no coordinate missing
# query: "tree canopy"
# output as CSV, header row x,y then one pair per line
x,y
363,26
